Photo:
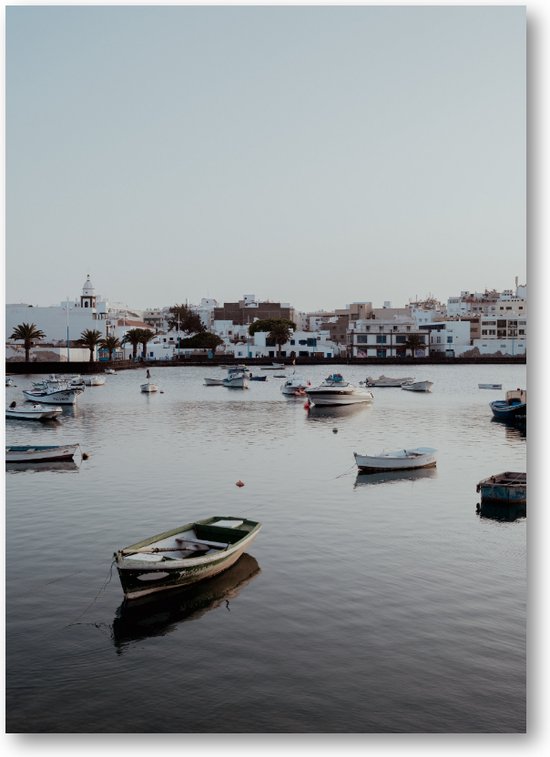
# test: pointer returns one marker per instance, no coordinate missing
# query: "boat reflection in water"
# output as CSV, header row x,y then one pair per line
x,y
59,466
386,477
512,430
157,616
501,512
334,412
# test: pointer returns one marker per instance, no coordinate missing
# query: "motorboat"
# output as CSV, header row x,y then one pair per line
x,y
236,380
388,381
34,412
401,459
55,394
294,387
34,453
418,386
184,555
512,409
335,391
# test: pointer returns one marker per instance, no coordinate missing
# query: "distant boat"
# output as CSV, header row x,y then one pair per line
x,y
213,382
94,380
273,367
184,555
512,409
489,386
507,488
10,381
294,387
33,453
149,387
335,391
56,394
388,381
32,412
418,386
110,371
258,378
402,459
236,380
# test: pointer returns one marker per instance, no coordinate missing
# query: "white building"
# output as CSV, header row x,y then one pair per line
x,y
506,335
382,339
449,338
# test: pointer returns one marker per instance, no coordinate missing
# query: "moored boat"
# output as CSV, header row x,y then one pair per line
x,y
213,382
94,380
489,386
294,387
388,381
399,460
335,391
184,555
508,488
236,380
35,412
512,409
62,394
36,453
418,386
149,387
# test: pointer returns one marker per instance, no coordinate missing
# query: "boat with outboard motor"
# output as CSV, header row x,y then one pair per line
x,y
334,390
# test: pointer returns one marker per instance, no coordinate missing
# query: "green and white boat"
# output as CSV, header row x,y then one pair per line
x,y
184,555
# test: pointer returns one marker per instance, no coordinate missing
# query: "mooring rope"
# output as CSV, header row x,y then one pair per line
x,y
94,600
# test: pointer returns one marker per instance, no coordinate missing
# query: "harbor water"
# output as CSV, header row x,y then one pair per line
x,y
367,604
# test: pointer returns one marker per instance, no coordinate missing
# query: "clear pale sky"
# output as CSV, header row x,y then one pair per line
x,y
312,155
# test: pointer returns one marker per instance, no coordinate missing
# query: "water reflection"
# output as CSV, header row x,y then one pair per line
x,y
392,476
60,466
152,616
501,511
333,412
513,430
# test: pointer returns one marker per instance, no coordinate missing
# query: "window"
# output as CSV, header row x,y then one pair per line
x,y
381,339
362,338
400,339
449,340
380,353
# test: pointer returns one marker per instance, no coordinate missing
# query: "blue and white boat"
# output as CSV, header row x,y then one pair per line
x,y
513,409
508,488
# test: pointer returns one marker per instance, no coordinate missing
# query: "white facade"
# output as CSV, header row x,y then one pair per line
x,y
504,334
450,338
384,339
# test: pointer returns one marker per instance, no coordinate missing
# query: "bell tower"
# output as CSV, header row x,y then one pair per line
x,y
88,298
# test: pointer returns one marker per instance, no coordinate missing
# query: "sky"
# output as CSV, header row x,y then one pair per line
x,y
315,155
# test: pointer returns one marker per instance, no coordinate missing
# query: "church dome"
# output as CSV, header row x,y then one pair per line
x,y
88,288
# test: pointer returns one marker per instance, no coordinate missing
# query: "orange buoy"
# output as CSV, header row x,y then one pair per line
x,y
239,483
307,405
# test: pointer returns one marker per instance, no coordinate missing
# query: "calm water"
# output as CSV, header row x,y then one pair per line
x,y
363,606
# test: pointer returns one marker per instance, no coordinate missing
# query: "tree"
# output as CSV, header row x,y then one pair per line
x,y
267,324
27,333
182,318
414,342
205,341
280,333
110,343
133,337
90,338
145,336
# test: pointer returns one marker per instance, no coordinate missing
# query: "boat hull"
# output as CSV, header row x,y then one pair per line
x,y
140,578
236,382
40,454
336,397
510,413
402,460
149,388
213,382
58,397
509,488
388,382
33,413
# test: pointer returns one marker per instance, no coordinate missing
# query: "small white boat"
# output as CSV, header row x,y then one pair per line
x,y
61,394
213,382
489,386
236,380
388,381
110,371
149,387
184,555
402,459
418,386
94,380
294,387
34,412
29,453
10,381
335,391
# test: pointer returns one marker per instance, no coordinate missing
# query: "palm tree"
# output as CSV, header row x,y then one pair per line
x,y
133,337
280,334
110,343
414,342
90,338
27,333
145,336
